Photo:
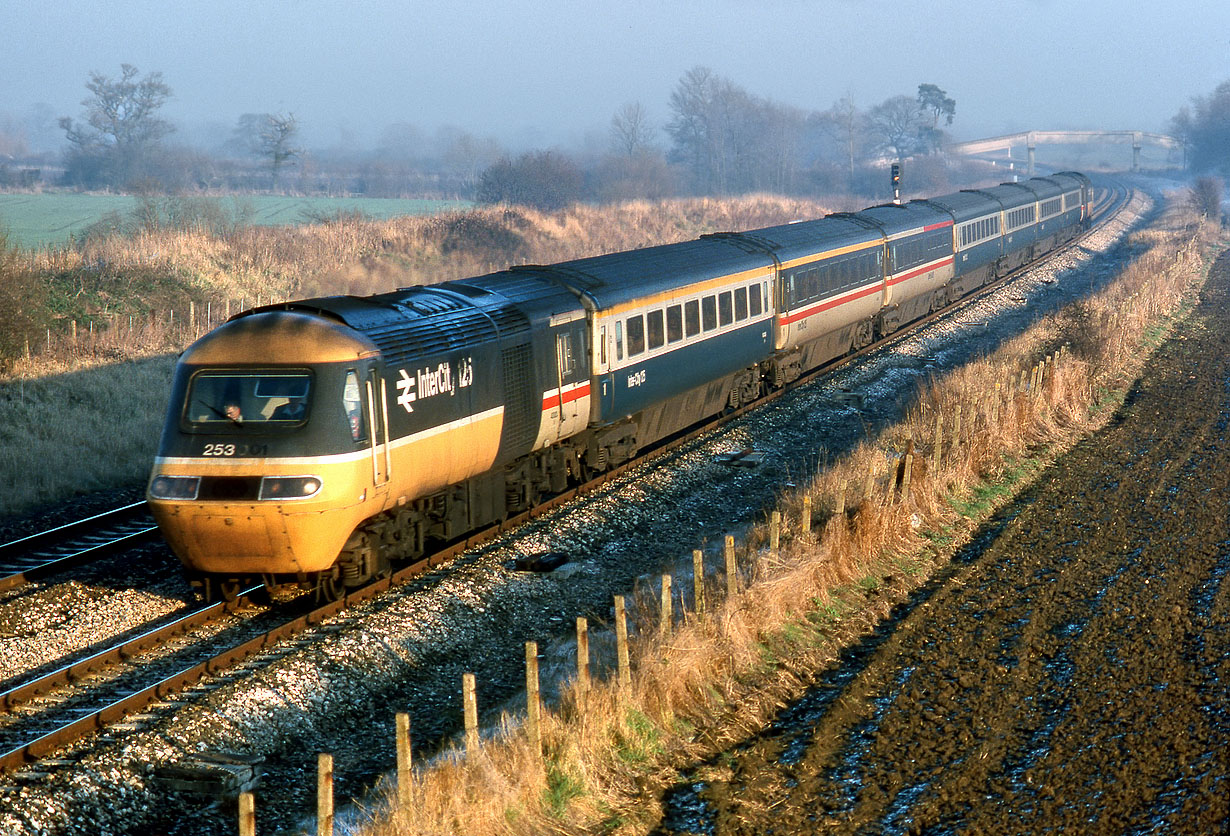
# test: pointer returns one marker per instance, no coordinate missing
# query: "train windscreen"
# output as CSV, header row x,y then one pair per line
x,y
242,398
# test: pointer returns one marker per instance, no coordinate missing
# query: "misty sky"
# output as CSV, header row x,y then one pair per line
x,y
544,72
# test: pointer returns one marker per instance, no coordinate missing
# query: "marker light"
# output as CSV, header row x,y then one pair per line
x,y
289,487
174,487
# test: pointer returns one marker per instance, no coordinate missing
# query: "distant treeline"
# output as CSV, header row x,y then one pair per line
x,y
719,140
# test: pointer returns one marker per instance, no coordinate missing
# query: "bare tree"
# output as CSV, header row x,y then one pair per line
x,y
730,140
631,133
691,126
848,124
1181,127
268,137
275,142
12,137
895,124
1207,129
121,125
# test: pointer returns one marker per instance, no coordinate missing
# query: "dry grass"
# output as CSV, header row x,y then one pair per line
x,y
84,413
719,676
160,269
80,429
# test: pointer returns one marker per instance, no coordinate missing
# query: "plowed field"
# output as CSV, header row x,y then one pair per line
x,y
1069,674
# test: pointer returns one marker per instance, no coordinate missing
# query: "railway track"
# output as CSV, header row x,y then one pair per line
x,y
45,714
42,555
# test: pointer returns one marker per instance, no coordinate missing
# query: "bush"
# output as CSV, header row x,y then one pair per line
x,y
23,311
1205,198
542,179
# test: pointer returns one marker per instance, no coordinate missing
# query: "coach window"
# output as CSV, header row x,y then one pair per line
x,y
708,312
636,335
619,339
674,323
754,299
657,334
726,310
740,303
563,354
691,317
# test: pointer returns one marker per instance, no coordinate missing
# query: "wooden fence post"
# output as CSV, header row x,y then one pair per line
x,y
469,701
533,705
775,531
698,580
583,656
805,517
667,615
621,646
732,573
324,794
247,814
939,441
402,723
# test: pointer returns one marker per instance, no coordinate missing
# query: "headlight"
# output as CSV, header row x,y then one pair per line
x,y
289,487
174,487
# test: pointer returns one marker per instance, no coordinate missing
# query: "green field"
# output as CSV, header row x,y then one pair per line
x,y
39,220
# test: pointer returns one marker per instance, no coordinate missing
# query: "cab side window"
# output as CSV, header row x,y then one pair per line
x,y
352,402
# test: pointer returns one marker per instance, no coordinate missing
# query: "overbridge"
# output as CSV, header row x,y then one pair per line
x,y
1031,139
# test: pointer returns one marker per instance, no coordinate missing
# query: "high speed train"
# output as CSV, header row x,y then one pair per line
x,y
320,441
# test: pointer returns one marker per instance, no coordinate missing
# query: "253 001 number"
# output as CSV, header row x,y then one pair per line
x,y
223,449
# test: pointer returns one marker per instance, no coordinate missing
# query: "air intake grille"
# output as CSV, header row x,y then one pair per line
x,y
520,413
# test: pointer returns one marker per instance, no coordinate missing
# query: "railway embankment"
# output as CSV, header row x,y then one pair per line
x,y
886,522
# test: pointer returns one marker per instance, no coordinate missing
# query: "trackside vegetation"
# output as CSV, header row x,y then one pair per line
x,y
874,534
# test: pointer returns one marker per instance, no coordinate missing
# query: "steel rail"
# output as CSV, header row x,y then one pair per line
x,y
72,543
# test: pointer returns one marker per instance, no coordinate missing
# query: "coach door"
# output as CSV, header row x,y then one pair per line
x,y
376,407
566,404
602,400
